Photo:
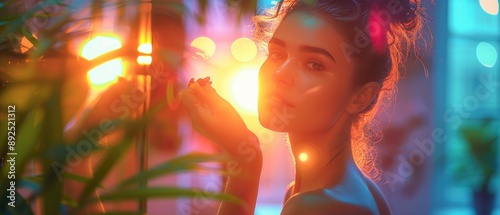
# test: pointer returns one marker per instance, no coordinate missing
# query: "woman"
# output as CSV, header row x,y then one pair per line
x,y
332,65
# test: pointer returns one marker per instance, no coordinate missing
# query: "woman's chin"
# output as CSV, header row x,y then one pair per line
x,y
271,122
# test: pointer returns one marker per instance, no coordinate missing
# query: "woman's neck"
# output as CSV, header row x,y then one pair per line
x,y
321,158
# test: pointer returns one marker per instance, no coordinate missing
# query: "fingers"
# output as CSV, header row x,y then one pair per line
x,y
201,92
190,101
202,88
199,113
208,110
202,82
209,97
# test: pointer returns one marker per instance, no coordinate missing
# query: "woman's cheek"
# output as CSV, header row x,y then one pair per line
x,y
265,74
319,111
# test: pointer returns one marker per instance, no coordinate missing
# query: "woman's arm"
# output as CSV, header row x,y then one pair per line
x,y
88,118
243,180
216,119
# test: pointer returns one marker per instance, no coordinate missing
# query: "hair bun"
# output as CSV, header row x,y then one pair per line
x,y
410,14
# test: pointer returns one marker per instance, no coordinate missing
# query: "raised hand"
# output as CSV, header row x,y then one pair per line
x,y
215,118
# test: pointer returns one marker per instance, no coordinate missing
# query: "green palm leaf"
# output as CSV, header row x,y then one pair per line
x,y
184,163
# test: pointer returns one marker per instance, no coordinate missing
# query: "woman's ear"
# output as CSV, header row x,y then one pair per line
x,y
363,97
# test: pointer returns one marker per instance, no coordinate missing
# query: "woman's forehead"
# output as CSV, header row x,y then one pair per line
x,y
307,27
308,20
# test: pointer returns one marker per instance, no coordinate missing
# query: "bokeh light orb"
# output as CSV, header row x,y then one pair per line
x,y
489,6
244,49
108,72
486,54
144,60
26,44
303,157
205,45
145,48
100,45
244,88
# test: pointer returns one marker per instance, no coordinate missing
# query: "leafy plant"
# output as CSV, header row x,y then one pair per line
x,y
37,81
477,167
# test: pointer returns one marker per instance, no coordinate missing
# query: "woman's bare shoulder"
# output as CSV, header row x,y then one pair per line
x,y
357,196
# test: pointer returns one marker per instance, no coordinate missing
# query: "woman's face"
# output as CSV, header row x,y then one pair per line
x,y
305,84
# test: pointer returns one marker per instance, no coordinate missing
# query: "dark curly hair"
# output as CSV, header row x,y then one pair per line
x,y
380,35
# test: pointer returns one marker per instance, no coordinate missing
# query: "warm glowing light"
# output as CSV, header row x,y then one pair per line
x,y
106,73
244,89
145,48
144,60
26,44
244,49
489,6
486,54
100,45
205,45
303,156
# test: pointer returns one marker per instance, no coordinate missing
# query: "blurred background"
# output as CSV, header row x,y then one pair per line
x,y
439,154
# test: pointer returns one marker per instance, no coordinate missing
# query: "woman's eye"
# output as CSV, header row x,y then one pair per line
x,y
314,66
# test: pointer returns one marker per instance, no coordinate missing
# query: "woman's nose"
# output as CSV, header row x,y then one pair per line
x,y
284,74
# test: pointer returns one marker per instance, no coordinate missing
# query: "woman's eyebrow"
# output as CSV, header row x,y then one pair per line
x,y
278,42
316,50
303,48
